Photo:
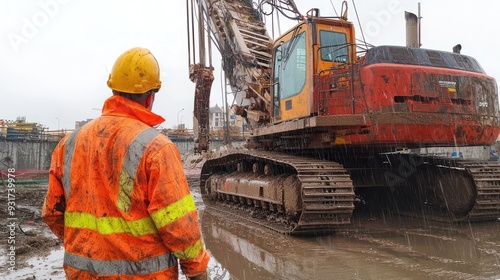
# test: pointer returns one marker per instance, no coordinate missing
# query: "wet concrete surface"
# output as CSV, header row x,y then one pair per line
x,y
378,245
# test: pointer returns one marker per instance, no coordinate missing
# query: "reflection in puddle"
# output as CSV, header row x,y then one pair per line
x,y
371,249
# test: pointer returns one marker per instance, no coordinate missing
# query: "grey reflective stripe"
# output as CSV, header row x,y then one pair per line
x,y
103,268
130,164
69,149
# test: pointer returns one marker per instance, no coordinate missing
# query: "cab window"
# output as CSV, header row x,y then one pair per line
x,y
290,67
333,46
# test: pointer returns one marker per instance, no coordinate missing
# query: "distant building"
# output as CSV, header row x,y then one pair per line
x,y
20,130
216,118
79,124
217,123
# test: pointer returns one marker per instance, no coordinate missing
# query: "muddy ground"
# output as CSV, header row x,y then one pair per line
x,y
31,236
23,233
378,245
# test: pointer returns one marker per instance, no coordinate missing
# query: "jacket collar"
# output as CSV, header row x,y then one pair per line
x,y
120,106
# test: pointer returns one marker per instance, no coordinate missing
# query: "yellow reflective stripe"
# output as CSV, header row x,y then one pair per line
x,y
109,225
174,211
190,252
126,183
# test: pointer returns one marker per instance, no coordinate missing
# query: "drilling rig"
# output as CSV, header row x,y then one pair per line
x,y
329,116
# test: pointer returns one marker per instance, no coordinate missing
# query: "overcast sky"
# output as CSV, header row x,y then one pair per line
x,y
56,54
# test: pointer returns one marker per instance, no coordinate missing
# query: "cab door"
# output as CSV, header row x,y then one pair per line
x,y
335,55
291,82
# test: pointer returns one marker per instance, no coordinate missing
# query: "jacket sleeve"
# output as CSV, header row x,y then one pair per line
x,y
174,213
55,202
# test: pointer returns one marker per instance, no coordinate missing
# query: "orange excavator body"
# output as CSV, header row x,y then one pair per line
x,y
389,96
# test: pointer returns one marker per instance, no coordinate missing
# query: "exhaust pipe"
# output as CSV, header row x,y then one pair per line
x,y
413,39
411,30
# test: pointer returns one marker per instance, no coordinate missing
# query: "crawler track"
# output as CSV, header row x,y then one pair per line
x,y
486,177
463,190
474,185
326,193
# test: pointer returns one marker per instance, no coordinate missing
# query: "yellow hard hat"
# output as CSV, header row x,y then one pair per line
x,y
136,71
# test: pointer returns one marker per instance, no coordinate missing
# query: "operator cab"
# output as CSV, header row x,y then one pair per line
x,y
314,47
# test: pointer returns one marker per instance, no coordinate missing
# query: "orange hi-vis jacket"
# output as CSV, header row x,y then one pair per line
x,y
119,199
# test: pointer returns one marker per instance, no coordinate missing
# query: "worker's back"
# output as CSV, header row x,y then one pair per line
x,y
127,203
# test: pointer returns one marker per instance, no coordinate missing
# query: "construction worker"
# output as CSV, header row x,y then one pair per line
x,y
117,195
